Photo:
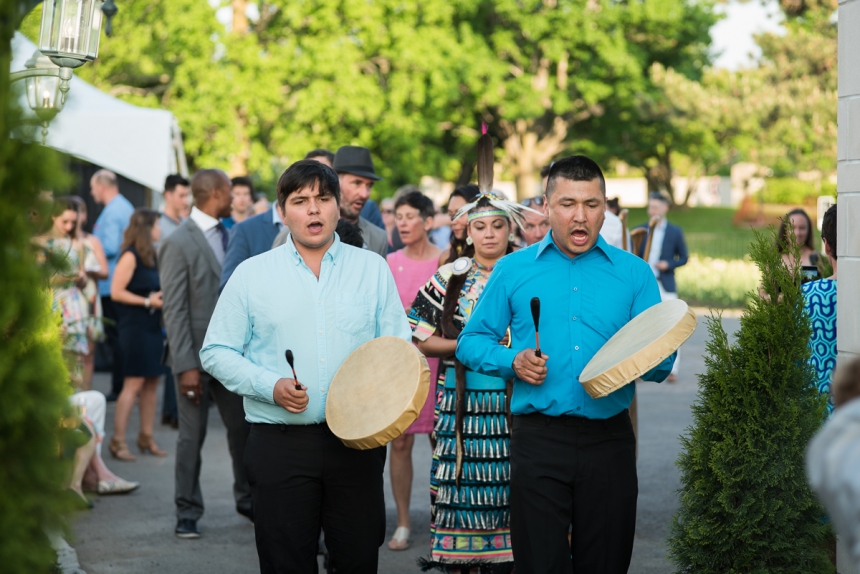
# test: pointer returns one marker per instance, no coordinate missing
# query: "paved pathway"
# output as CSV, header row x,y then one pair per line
x,y
133,534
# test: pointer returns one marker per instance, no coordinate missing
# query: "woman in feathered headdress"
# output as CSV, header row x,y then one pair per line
x,y
470,474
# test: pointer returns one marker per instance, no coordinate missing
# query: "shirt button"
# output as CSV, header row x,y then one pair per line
x,y
320,331
319,302
579,408
576,348
323,360
574,318
576,289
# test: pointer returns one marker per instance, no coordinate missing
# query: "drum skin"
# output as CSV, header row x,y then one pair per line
x,y
638,347
377,393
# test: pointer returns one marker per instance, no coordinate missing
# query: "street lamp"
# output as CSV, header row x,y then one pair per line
x,y
68,38
46,85
69,34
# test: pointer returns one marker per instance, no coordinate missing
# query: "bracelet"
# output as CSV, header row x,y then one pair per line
x,y
146,303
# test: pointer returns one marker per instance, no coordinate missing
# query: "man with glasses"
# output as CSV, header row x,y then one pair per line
x,y
535,226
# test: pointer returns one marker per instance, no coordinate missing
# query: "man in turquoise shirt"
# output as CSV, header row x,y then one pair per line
x,y
573,458
321,299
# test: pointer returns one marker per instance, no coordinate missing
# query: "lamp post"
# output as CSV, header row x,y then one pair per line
x,y
68,38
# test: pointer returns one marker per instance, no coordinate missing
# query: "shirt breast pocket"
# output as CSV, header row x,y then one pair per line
x,y
354,316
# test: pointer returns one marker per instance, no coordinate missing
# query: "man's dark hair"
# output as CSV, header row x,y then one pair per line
x,y
659,197
612,203
320,152
245,181
544,171
171,181
349,233
419,201
574,168
307,173
828,229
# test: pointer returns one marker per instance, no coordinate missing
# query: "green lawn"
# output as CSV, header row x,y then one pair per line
x,y
709,231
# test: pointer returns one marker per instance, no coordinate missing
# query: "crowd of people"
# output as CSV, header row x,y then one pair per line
x,y
208,293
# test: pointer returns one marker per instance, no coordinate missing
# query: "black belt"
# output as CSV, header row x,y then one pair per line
x,y
573,421
323,426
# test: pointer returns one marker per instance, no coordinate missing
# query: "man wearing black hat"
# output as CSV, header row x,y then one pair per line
x,y
354,167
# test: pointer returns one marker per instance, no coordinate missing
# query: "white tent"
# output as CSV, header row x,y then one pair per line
x,y
142,144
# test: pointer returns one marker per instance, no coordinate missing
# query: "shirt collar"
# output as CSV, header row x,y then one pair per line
x,y
276,219
600,246
333,253
204,222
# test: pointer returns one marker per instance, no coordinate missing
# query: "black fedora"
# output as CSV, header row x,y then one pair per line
x,y
355,160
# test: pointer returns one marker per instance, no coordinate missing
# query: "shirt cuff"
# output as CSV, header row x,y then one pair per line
x,y
264,387
504,359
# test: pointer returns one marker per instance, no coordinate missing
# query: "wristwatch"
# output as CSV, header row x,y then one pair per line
x,y
146,303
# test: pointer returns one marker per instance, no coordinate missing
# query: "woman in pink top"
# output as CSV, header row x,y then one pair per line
x,y
412,267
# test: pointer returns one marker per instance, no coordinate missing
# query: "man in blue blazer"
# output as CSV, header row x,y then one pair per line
x,y
668,252
249,238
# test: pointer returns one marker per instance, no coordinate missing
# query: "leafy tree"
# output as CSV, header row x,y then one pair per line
x,y
745,505
561,72
799,76
33,379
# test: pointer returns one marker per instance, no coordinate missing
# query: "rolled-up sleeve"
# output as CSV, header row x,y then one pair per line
x,y
228,335
478,345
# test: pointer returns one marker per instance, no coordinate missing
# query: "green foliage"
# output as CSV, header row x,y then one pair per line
x,y
717,283
745,506
411,81
793,191
33,378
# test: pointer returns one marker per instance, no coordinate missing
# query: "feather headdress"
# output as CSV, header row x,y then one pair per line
x,y
502,206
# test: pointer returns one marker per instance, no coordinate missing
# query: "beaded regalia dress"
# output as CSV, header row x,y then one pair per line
x,y
469,513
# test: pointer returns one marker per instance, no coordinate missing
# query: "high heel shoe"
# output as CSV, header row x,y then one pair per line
x,y
146,443
119,449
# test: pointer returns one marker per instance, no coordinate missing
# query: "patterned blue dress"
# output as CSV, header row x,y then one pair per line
x,y
820,297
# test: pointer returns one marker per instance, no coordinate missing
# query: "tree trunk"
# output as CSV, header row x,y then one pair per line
x,y
528,148
240,20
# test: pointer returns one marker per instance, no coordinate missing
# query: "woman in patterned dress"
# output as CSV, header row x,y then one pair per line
x,y
96,268
470,473
820,304
62,250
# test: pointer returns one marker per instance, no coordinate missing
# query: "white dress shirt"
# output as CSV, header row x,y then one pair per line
x,y
657,246
209,226
612,230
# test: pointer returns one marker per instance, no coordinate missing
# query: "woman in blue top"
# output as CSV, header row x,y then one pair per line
x,y
820,304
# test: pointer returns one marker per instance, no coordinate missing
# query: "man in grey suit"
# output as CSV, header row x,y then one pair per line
x,y
354,167
190,262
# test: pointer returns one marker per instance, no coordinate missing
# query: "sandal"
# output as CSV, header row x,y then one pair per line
x,y
146,443
119,449
400,540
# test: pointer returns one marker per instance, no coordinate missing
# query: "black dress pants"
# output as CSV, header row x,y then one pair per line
x,y
112,341
572,472
303,478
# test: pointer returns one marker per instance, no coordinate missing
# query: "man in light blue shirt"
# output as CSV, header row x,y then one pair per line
x,y
322,300
109,228
573,458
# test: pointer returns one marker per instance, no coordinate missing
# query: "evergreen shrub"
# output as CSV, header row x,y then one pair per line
x,y
33,378
745,506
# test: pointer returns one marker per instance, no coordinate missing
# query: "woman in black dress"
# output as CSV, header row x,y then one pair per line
x,y
136,290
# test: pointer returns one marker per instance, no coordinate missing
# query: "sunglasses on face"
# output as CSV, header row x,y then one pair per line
x,y
534,201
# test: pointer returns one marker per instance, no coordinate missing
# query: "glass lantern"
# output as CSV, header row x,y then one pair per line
x,y
70,31
45,94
